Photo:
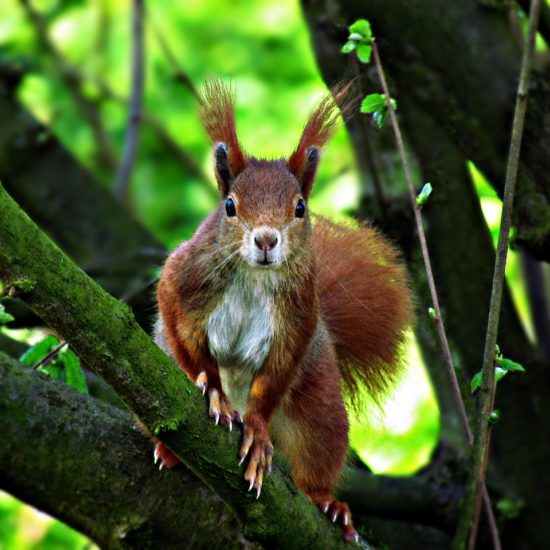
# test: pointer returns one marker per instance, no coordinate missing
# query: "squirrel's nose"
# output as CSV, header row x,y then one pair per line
x,y
266,240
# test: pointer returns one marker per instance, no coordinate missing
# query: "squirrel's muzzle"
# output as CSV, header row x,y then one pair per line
x,y
265,245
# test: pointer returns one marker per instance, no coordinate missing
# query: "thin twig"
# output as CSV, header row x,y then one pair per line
x,y
370,157
51,356
130,145
431,282
188,163
179,74
88,107
469,518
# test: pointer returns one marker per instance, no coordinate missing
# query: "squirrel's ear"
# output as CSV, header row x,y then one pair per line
x,y
217,113
318,129
223,171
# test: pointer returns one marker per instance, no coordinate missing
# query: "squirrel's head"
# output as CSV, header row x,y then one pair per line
x,y
264,202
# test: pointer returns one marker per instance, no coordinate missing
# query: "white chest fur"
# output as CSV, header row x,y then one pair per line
x,y
241,327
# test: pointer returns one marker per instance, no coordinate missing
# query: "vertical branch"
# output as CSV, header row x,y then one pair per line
x,y
134,118
70,77
431,282
179,74
381,200
469,518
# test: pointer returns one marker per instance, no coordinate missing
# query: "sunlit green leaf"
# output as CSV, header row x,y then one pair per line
x,y
364,52
362,27
64,366
373,103
349,46
500,373
476,382
424,194
509,365
37,352
74,376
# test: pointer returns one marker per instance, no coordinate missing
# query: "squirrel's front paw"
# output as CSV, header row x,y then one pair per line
x,y
256,437
219,406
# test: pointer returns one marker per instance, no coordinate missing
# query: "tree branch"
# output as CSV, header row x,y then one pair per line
x,y
87,107
105,240
469,518
134,117
100,474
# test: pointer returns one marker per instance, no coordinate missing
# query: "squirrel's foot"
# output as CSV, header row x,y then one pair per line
x,y
256,437
219,406
167,458
220,409
338,511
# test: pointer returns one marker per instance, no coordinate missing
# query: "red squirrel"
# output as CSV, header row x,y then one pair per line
x,y
271,314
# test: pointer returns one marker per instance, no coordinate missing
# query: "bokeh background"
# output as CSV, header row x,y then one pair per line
x,y
263,48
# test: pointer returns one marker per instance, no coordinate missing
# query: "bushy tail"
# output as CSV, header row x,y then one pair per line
x,y
365,301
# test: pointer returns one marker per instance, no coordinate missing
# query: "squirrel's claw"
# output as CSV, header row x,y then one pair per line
x,y
256,442
220,408
202,382
339,511
167,458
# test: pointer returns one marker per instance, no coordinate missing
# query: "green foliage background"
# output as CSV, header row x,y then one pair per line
x,y
262,46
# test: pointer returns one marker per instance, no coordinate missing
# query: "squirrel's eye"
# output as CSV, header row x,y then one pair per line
x,y
230,208
300,209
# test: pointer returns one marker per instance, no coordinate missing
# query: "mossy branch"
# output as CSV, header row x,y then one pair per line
x,y
469,518
100,479
104,333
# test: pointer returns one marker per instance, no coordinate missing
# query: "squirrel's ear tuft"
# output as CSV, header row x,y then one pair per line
x,y
217,111
317,131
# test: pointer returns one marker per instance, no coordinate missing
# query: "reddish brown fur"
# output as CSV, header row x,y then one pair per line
x,y
365,300
319,128
340,304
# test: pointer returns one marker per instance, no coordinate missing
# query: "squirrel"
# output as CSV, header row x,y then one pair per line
x,y
272,315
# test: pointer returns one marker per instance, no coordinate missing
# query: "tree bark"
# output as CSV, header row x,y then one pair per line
x,y
78,213
459,61
96,472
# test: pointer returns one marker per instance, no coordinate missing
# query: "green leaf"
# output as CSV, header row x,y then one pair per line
x,y
476,382
431,313
37,352
355,37
5,317
380,117
500,374
509,365
510,508
362,27
74,376
349,46
424,194
364,52
373,103
65,366
494,417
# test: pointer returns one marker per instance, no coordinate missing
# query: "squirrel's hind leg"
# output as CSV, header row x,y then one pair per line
x,y
313,433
